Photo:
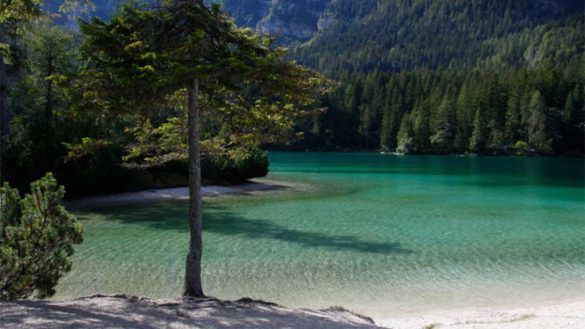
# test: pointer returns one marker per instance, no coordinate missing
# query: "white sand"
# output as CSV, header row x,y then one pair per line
x,y
131,312
179,193
560,316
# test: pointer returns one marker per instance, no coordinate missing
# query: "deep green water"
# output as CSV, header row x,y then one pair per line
x,y
379,234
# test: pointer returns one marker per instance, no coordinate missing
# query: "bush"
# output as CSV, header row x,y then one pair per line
x,y
37,236
522,148
232,170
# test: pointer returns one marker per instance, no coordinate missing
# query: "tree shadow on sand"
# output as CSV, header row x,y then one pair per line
x,y
128,312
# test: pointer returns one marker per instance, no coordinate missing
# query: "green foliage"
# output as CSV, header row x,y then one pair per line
x,y
537,134
228,169
22,10
144,55
444,135
522,148
15,10
37,236
483,111
474,65
405,143
403,35
144,58
68,119
39,101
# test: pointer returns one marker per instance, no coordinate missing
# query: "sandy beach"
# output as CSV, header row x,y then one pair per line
x,y
133,312
178,193
563,315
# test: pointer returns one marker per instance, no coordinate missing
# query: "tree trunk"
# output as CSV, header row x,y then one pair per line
x,y
193,286
3,110
3,98
49,94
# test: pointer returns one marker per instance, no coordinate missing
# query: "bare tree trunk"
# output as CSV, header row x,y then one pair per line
x,y
3,110
193,286
49,94
3,98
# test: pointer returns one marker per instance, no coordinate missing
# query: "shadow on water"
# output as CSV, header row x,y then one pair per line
x,y
161,215
220,220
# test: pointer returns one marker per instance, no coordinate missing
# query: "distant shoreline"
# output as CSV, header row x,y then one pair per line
x,y
178,193
479,155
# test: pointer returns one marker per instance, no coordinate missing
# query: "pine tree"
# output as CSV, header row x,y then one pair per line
x,y
478,140
405,139
442,139
513,128
390,126
37,236
146,54
421,124
537,134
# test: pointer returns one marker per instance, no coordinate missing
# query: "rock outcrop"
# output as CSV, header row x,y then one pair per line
x,y
289,19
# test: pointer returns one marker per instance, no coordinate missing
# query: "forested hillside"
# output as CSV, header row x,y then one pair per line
x,y
436,76
405,34
440,76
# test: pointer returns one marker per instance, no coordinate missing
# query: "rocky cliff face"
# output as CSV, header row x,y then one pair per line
x,y
291,19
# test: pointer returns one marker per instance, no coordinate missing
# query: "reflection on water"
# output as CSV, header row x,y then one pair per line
x,y
375,233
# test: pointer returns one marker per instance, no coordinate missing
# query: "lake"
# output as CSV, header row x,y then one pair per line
x,y
378,234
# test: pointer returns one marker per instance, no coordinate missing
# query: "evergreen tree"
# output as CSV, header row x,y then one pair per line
x,y
420,117
537,134
146,54
513,128
478,140
405,139
37,236
442,140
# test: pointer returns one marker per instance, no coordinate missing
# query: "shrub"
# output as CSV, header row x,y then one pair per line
x,y
522,148
221,169
37,236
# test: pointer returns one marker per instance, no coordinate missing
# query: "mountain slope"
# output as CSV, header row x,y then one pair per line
x,y
406,34
293,21
436,76
440,76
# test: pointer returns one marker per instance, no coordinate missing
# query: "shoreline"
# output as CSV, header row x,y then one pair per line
x,y
178,193
121,311
559,314
478,155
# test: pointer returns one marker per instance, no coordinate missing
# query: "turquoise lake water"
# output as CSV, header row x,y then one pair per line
x,y
378,234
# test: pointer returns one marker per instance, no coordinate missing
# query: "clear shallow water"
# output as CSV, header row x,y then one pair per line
x,y
379,234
